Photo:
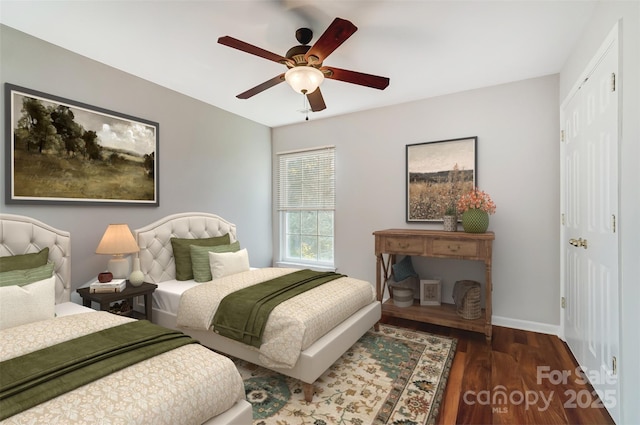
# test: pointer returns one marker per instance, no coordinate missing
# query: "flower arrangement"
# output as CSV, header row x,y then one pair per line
x,y
476,199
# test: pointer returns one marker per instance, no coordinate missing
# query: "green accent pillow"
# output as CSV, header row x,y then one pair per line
x,y
25,277
182,253
200,259
403,269
24,261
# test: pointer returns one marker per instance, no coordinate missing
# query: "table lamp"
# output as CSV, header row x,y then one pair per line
x,y
117,241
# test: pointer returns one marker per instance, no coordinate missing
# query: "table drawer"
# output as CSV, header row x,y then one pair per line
x,y
403,245
455,248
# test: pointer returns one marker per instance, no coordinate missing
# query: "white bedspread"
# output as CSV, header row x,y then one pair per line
x,y
293,325
188,385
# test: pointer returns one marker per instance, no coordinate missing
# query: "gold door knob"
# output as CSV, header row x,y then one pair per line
x,y
578,243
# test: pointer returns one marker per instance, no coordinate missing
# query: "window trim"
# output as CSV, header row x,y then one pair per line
x,y
281,260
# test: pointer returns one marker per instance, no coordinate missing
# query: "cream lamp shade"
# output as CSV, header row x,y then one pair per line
x,y
117,241
304,79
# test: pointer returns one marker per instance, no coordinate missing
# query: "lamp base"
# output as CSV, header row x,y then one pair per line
x,y
119,267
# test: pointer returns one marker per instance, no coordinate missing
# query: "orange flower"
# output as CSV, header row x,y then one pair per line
x,y
476,199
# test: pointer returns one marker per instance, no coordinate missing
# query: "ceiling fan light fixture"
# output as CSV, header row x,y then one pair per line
x,y
304,79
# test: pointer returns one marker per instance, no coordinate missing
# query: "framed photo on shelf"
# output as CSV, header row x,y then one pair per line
x,y
430,292
59,151
437,174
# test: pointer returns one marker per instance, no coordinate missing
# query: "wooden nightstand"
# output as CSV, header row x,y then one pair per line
x,y
106,299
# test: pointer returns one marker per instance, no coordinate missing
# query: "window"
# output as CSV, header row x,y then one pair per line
x,y
306,204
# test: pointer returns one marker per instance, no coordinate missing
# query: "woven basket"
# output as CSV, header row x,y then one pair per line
x,y
402,297
469,306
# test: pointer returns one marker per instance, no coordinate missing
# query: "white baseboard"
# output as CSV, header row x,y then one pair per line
x,y
526,325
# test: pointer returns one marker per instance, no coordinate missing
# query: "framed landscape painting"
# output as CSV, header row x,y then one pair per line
x,y
437,174
59,151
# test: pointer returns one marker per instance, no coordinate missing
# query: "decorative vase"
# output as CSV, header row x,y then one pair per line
x,y
475,221
136,277
450,223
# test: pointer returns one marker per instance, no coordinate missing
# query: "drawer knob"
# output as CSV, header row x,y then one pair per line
x,y
454,248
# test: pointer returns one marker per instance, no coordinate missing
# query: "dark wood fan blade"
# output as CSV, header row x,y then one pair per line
x,y
250,48
261,87
316,101
337,33
354,77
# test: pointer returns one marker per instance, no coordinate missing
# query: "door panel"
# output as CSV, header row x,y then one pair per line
x,y
589,202
575,326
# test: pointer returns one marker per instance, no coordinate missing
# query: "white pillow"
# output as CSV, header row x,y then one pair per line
x,y
29,303
228,263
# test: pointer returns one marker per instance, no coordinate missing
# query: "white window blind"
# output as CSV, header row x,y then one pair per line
x,y
306,180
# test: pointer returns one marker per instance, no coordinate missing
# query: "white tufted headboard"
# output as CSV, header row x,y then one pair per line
x,y
24,235
156,254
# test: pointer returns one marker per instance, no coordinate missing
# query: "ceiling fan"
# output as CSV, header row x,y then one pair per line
x,y
306,70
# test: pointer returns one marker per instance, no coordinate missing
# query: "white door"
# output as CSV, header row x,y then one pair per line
x,y
589,237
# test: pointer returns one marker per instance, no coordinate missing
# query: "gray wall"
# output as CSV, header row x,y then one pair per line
x,y
518,164
517,125
209,160
627,14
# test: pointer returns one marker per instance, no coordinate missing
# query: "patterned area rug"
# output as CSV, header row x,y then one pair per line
x,y
394,376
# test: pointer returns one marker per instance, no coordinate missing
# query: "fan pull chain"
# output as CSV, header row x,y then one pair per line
x,y
305,106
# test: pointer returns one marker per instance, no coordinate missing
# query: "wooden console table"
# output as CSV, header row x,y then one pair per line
x,y
437,244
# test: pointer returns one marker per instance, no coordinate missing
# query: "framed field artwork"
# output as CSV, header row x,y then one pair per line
x,y
59,151
437,174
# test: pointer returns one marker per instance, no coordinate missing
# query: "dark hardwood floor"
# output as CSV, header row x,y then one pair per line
x,y
520,378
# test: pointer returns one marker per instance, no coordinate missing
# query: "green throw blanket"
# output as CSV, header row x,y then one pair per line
x,y
242,315
33,378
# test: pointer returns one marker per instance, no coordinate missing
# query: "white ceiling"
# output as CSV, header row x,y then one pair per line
x,y
426,48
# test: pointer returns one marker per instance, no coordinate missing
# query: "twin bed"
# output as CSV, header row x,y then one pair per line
x,y
205,386
323,324
302,337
